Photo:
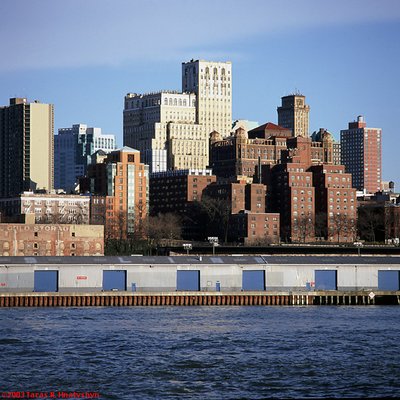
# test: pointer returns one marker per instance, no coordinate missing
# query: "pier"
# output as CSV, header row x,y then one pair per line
x,y
114,299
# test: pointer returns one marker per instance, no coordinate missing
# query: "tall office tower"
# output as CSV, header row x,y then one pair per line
x,y
362,154
294,114
26,147
171,129
73,148
212,83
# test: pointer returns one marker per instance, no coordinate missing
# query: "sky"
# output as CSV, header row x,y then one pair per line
x,y
83,56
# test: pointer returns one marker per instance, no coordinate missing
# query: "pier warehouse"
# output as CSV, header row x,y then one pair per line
x,y
198,274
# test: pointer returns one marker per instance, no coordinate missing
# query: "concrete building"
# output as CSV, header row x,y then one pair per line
x,y
124,181
206,274
26,147
362,155
73,148
212,84
171,129
293,114
47,208
51,240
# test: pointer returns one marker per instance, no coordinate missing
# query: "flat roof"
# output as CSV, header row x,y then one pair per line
x,y
203,260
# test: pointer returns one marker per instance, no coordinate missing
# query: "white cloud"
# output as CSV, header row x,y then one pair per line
x,y
75,33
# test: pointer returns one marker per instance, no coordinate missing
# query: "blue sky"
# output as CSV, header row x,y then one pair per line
x,y
84,56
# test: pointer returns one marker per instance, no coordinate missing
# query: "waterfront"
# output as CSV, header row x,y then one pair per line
x,y
202,352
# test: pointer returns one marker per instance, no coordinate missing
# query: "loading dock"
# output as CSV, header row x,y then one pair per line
x,y
45,281
114,280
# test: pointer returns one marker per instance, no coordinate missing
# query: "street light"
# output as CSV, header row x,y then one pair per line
x,y
187,247
358,245
214,242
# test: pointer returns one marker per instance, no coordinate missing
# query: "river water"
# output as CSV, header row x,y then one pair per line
x,y
200,352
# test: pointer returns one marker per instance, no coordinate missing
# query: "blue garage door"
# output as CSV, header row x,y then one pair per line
x,y
45,281
326,279
114,280
188,280
388,280
253,280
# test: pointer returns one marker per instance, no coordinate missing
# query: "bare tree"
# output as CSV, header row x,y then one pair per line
x,y
163,226
371,223
305,227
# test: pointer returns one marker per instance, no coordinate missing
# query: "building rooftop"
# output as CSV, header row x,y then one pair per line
x,y
318,261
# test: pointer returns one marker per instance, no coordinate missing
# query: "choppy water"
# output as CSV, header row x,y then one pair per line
x,y
202,352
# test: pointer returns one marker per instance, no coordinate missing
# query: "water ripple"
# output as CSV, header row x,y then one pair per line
x,y
203,352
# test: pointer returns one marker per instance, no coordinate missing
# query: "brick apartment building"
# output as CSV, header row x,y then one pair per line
x,y
120,193
244,153
362,155
170,191
248,222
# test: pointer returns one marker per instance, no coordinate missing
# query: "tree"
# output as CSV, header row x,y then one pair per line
x,y
305,227
392,221
371,223
338,225
208,217
163,227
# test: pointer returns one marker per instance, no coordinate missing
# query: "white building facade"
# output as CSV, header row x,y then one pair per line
x,y
171,129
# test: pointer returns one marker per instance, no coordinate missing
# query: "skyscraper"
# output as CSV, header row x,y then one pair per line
x,y
73,148
171,129
362,154
293,114
212,84
26,147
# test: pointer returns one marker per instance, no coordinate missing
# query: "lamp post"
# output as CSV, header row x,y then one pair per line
x,y
358,245
187,247
214,242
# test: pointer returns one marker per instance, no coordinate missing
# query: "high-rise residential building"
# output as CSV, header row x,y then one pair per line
x,y
335,203
171,129
26,147
124,181
361,154
73,148
293,114
316,200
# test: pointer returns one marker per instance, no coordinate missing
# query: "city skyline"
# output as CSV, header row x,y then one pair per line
x,y
84,58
